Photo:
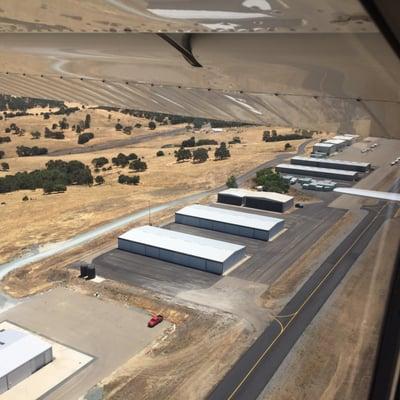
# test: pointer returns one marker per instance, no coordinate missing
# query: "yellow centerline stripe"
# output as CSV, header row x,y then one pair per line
x,y
303,304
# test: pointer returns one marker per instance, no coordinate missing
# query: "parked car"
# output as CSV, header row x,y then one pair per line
x,y
155,320
299,205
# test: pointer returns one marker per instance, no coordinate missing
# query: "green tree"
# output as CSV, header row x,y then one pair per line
x,y
287,146
152,125
87,121
231,182
183,154
200,155
5,166
222,152
99,162
271,181
99,180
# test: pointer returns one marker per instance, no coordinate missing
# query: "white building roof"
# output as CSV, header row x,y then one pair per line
x,y
281,198
324,144
336,141
369,193
332,161
17,348
210,249
231,217
305,168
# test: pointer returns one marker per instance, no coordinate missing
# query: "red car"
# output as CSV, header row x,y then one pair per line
x,y
155,320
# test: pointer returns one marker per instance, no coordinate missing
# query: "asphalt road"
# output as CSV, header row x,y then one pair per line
x,y
255,368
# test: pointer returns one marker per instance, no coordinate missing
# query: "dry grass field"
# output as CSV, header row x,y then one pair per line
x,y
56,217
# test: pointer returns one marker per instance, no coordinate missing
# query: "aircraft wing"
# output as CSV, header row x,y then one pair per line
x,y
305,63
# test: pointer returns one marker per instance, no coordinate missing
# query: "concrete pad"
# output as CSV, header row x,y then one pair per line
x,y
109,332
66,362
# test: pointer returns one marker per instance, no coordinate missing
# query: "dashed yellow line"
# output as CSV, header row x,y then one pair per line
x,y
283,328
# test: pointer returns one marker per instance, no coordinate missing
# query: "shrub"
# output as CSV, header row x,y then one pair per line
x,y
5,166
2,154
36,135
206,142
85,137
235,140
152,125
231,182
118,127
160,153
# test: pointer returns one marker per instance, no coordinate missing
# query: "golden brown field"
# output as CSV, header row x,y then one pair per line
x,y
56,217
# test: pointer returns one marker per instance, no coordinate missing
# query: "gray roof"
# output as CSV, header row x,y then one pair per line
x,y
17,348
305,168
324,144
282,198
210,249
231,217
332,161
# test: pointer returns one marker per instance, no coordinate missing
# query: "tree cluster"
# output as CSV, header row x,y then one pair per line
x,y
271,181
57,175
23,103
15,130
24,151
201,142
49,134
272,136
123,160
129,180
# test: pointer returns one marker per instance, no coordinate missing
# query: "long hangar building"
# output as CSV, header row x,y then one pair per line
x,y
331,163
270,201
307,170
180,248
228,221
